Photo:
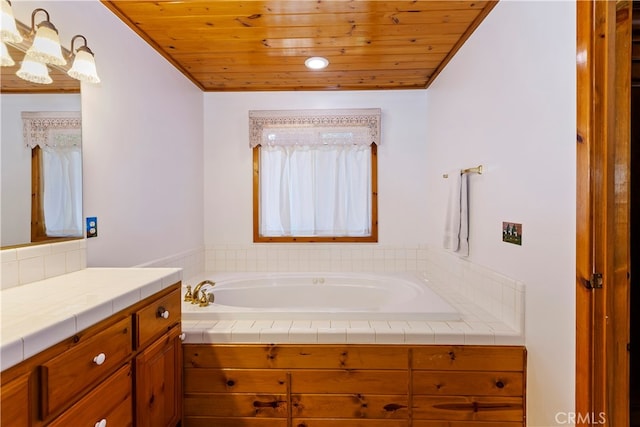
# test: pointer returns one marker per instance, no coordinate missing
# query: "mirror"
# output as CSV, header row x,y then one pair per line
x,y
20,96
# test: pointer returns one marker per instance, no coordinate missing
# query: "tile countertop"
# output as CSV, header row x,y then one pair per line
x,y
38,315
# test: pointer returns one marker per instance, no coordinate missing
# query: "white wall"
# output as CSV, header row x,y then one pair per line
x,y
16,161
401,159
142,140
507,101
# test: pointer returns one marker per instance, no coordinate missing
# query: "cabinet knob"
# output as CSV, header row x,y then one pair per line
x,y
163,312
99,360
183,336
101,423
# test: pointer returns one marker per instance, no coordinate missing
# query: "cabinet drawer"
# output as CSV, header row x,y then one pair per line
x,y
78,368
110,401
157,318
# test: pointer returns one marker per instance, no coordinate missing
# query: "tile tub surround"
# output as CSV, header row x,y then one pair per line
x,y
483,288
37,315
494,326
28,264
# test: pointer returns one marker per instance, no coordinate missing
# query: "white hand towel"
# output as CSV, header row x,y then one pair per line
x,y
456,231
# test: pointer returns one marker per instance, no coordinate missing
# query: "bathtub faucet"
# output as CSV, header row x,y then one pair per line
x,y
195,297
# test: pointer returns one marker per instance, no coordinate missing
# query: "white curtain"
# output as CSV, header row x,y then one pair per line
x,y
62,193
315,190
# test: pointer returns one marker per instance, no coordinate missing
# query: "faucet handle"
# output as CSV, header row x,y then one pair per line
x,y
204,299
188,296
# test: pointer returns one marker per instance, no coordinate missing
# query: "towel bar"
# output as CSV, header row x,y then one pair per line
x,y
477,169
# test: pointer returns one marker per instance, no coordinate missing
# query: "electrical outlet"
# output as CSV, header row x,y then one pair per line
x,y
92,227
512,233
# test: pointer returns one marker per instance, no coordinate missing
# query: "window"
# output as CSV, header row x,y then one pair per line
x,y
315,175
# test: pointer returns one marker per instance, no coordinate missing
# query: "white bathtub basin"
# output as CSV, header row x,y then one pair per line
x,y
316,296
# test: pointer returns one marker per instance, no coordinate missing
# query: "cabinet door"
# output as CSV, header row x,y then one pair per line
x,y
159,382
15,403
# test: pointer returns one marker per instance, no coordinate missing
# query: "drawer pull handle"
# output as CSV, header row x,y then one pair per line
x,y
183,336
163,312
99,360
101,423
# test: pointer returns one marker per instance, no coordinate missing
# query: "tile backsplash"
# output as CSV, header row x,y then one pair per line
x,y
28,264
315,257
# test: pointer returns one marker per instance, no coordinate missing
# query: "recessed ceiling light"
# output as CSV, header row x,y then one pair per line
x,y
316,62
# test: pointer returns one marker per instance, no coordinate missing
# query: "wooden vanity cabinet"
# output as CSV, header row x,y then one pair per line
x,y
15,410
124,371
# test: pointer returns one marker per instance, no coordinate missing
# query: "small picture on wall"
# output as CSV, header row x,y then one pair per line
x,y
512,233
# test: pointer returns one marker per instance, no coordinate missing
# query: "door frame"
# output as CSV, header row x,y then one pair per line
x,y
603,81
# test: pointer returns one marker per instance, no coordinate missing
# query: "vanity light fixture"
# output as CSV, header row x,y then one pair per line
x,y
316,62
45,50
84,65
46,44
6,60
9,32
34,71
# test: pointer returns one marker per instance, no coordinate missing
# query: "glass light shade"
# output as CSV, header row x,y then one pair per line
x,y
7,60
34,71
316,62
9,32
84,66
46,45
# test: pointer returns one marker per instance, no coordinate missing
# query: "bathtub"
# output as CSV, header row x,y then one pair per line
x,y
320,296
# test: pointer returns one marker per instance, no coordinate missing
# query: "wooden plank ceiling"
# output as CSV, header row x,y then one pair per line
x,y
255,45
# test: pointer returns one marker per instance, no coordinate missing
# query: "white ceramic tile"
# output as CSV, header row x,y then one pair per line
x,y
452,337
63,247
125,300
150,289
274,335
417,336
502,339
95,314
11,353
245,335
48,336
10,274
217,336
303,336
484,338
7,255
389,336
361,336
55,264
33,251
332,335
31,269
359,324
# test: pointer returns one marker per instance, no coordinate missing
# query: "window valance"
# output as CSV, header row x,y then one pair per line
x,y
52,128
314,127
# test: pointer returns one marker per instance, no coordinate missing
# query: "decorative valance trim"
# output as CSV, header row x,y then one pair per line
x,y
267,126
52,128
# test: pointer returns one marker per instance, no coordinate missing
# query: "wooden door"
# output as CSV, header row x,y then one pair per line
x,y
602,245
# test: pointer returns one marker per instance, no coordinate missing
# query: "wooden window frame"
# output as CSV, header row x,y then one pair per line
x,y
372,238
